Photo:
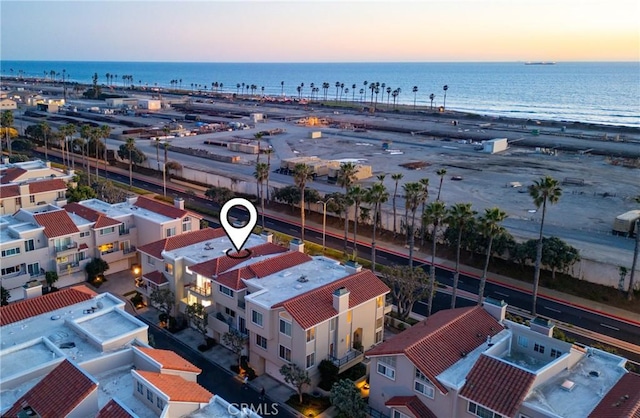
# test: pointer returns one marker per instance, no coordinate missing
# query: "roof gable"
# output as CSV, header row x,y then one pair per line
x,y
622,401
11,174
497,385
169,359
221,264
99,219
176,388
58,393
56,223
438,342
316,305
156,277
9,190
159,207
156,248
113,409
28,308
413,404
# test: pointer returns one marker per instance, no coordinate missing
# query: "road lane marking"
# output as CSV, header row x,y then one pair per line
x,y
501,294
610,327
553,310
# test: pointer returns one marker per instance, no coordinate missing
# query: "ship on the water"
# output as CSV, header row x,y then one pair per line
x,y
540,63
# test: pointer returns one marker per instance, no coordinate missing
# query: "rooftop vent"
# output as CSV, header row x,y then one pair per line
x,y
208,246
303,279
568,385
594,373
463,354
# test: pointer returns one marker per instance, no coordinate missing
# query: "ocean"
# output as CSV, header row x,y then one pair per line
x,y
590,92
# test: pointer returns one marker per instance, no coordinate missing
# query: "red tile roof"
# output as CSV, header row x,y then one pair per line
x,y
156,248
169,360
264,268
176,388
158,207
83,246
49,185
413,404
57,394
622,401
9,190
497,385
156,277
114,410
11,174
437,343
219,265
99,219
316,306
56,223
28,308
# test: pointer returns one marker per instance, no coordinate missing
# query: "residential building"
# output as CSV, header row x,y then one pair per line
x,y
74,353
8,104
472,362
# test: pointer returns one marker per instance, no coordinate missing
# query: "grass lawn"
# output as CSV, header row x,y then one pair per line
x,y
311,406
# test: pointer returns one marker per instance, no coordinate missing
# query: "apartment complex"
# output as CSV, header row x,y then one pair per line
x,y
64,239
74,353
294,308
472,362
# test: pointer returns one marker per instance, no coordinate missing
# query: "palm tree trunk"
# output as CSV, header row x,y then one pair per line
x,y
268,173
355,231
395,192
46,148
302,215
346,227
412,237
536,274
130,170
106,153
439,188
456,274
373,244
432,272
635,263
483,279
262,202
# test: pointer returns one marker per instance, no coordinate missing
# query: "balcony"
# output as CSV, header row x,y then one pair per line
x,y
388,307
67,247
129,250
345,362
202,291
126,231
218,323
68,268
111,256
241,304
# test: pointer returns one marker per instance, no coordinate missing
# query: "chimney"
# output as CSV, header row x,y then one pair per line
x,y
495,308
48,164
296,245
352,267
542,326
341,299
32,289
5,160
131,200
179,203
24,190
267,236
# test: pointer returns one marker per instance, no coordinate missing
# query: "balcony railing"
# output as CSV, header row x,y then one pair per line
x,y
202,291
351,355
241,304
66,247
68,267
129,250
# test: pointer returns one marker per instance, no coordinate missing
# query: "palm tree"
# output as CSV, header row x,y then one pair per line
x,y
157,141
414,195
356,194
434,215
105,131
7,124
425,186
445,88
337,87
353,92
261,175
442,172
346,177
546,189
396,178
268,151
301,174
258,137
388,95
85,134
432,97
68,131
46,130
282,88
459,216
490,228
365,89
376,194
415,92
130,145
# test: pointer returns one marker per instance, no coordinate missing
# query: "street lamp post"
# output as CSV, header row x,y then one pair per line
x,y
324,220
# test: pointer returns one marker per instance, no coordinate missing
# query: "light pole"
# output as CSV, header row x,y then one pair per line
x,y
324,220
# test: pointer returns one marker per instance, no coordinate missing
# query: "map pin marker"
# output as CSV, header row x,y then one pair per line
x,y
238,235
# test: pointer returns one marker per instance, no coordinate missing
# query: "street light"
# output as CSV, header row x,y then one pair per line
x,y
324,219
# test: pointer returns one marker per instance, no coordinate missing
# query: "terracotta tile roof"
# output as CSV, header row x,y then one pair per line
x,y
9,190
57,394
113,409
497,385
156,277
233,278
50,185
56,223
169,360
28,308
156,248
316,306
11,174
622,401
83,246
413,404
158,207
99,219
437,343
176,388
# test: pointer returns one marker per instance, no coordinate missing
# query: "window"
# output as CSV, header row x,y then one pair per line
x,y
61,195
10,251
481,411
149,395
261,341
171,231
29,245
32,198
423,385
349,315
555,353
379,322
379,335
386,367
380,301
285,353
225,290
110,230
311,360
140,388
33,269
538,348
311,334
150,260
85,234
230,312
398,414
10,270
159,403
285,327
186,224
168,267
106,248
256,318
523,341
332,324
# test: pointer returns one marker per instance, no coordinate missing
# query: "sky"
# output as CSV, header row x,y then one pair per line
x,y
321,31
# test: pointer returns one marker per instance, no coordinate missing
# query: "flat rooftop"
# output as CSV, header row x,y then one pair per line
x,y
108,326
211,249
10,227
285,284
118,210
118,383
219,408
593,376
